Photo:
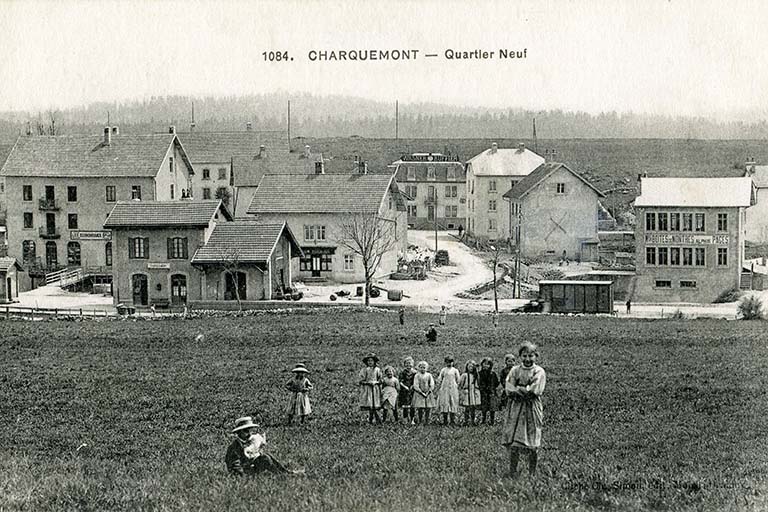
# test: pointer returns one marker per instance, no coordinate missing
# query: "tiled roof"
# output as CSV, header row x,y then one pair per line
x,y
692,192
760,176
247,240
87,155
213,147
505,162
248,171
5,150
320,193
541,173
420,170
7,262
134,214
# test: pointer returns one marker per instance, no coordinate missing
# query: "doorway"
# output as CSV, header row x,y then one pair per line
x,y
50,223
316,262
140,290
51,255
430,213
8,291
178,290
231,280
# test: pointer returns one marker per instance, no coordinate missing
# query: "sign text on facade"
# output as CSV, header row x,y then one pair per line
x,y
687,239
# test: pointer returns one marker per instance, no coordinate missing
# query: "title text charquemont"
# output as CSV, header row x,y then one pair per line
x,y
450,54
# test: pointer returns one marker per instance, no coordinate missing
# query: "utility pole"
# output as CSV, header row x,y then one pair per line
x,y
516,292
289,126
435,216
397,120
535,142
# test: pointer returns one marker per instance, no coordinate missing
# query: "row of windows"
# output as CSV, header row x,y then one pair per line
x,y
451,211
29,253
450,191
222,173
326,263
29,222
110,193
492,204
177,248
663,221
314,232
683,256
410,173
684,283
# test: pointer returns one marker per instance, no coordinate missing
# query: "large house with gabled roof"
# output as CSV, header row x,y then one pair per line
x,y
316,206
175,253
59,190
553,213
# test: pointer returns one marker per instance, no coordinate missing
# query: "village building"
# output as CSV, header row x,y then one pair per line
x,y
690,237
175,253
435,188
9,284
489,175
59,190
317,206
757,214
553,213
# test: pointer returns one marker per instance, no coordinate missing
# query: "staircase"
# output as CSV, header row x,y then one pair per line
x,y
64,277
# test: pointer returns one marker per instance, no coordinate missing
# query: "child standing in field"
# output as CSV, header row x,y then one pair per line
x,y
469,396
299,387
389,392
443,315
509,363
370,388
448,391
405,396
488,382
525,415
423,389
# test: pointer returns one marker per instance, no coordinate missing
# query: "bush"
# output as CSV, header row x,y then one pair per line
x,y
552,275
731,295
750,308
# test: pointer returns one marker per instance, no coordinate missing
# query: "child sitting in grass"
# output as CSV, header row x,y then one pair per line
x,y
405,396
299,387
423,389
525,415
246,455
469,392
487,381
370,388
389,392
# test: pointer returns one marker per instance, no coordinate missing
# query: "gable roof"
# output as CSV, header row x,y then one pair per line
x,y
321,193
136,214
703,192
251,241
88,156
538,176
248,171
7,262
759,175
218,147
505,162
420,171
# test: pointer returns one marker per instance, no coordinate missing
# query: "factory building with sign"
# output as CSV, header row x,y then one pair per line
x,y
690,237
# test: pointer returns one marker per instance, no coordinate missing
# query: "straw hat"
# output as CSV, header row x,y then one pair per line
x,y
243,423
299,368
373,356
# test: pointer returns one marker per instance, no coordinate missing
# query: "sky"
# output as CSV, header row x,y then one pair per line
x,y
704,58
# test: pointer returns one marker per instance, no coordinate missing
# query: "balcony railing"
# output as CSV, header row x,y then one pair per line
x,y
49,233
49,204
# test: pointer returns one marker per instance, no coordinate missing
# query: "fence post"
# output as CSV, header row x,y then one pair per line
x,y
81,313
7,313
56,312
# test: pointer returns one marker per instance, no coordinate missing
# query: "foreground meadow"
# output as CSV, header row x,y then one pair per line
x,y
135,415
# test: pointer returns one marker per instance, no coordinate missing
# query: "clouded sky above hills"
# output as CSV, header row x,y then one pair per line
x,y
681,58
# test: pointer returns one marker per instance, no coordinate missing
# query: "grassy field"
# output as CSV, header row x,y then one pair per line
x,y
662,415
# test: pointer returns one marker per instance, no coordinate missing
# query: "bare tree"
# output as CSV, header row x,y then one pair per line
x,y
495,250
229,263
49,128
224,194
371,237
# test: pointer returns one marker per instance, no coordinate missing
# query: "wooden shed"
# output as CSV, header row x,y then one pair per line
x,y
9,284
576,296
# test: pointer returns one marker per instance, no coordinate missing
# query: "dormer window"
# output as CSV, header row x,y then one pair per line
x,y
410,174
451,173
431,173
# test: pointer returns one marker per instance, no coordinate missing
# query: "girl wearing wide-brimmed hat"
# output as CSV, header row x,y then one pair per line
x,y
299,386
246,455
370,387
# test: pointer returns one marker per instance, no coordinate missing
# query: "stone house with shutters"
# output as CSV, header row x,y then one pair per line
x,y
316,206
489,175
435,190
176,253
553,212
59,189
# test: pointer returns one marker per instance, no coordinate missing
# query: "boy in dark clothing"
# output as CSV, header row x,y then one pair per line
x,y
431,334
487,381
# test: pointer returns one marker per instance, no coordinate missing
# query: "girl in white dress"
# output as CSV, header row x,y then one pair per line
x,y
448,391
423,392
389,392
299,386
469,396
370,388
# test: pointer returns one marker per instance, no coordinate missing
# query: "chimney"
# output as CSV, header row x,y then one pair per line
x,y
749,166
319,168
115,130
172,129
192,127
521,147
362,167
248,126
107,136
307,152
262,151
494,148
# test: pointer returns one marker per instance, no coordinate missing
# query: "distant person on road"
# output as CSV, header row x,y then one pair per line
x,y
461,230
370,388
488,382
423,393
246,455
524,415
431,334
299,386
448,391
629,305
401,315
405,396
443,315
